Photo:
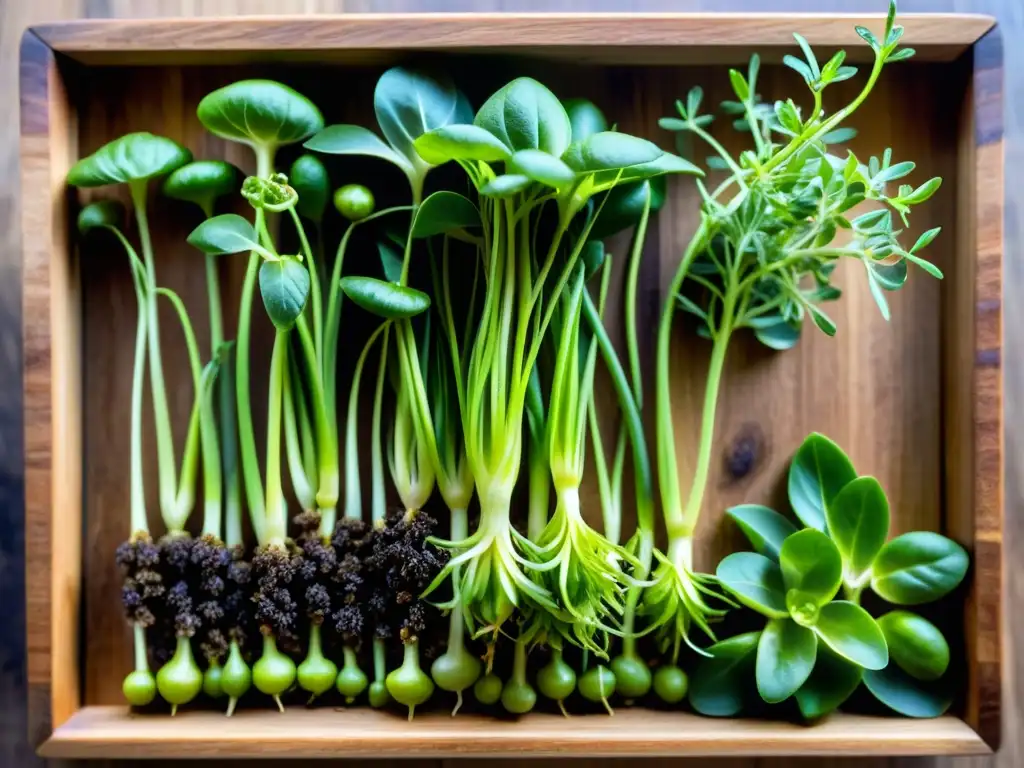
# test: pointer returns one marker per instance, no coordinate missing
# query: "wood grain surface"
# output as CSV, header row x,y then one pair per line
x,y
988,162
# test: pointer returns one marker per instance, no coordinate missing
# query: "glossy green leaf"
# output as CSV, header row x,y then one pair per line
x,y
927,266
764,528
825,323
833,681
202,182
755,581
309,178
850,631
922,193
102,213
526,115
811,565
907,696
542,167
819,471
917,645
390,261
891,276
779,335
261,113
858,522
133,157
505,185
664,164
444,212
610,151
624,205
926,239
918,567
721,685
284,285
785,658
461,142
355,140
410,102
385,299
585,118
224,234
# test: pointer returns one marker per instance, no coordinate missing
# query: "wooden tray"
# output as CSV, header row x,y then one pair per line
x,y
916,403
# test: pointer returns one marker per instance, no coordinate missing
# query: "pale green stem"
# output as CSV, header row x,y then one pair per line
x,y
353,487
141,659
314,290
304,491
380,660
275,526
378,503
139,523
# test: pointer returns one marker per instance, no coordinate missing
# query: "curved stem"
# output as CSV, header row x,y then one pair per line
x,y
326,435
139,523
353,487
632,278
314,290
275,525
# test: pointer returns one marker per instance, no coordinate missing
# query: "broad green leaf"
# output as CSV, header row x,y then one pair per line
x,y
409,103
261,113
284,285
890,276
585,118
505,185
610,151
355,140
384,299
224,234
858,522
721,685
755,581
916,644
832,682
624,205
444,212
102,213
133,157
811,565
665,163
907,696
461,142
542,167
765,528
779,335
918,567
819,471
785,658
202,182
850,631
309,178
526,115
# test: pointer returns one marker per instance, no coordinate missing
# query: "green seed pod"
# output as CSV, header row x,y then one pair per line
x,y
180,679
556,679
455,671
598,684
518,698
671,684
139,688
236,678
212,680
487,689
354,201
379,696
632,677
316,673
351,680
410,685
274,673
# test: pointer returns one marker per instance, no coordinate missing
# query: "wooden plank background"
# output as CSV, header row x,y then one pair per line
x,y
16,14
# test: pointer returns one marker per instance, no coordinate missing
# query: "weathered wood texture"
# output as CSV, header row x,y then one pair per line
x,y
43,10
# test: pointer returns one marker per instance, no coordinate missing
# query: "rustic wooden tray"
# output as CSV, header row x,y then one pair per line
x,y
916,403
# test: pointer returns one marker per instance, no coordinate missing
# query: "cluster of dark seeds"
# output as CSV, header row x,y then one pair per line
x,y
276,575
142,587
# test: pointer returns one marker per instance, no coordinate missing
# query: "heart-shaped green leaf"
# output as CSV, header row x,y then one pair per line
x,y
918,567
506,185
624,205
584,118
526,115
542,167
102,213
755,581
811,565
202,182
355,140
720,685
133,157
284,285
461,142
260,113
916,644
819,471
384,299
907,696
858,521
411,102
309,178
444,212
224,234
765,528
785,658
850,631
833,681
610,151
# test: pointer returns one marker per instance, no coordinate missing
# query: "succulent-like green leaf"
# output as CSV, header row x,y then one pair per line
x,y
461,142
260,113
610,151
224,234
850,631
755,581
385,299
765,528
819,471
833,681
526,115
309,178
444,212
284,285
785,658
915,644
780,334
918,567
858,522
811,565
505,185
102,213
721,685
907,696
542,167
355,140
133,157
202,182
585,118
